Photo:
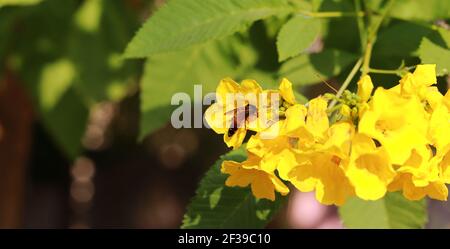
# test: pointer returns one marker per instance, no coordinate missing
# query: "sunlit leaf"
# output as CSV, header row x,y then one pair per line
x,y
178,72
401,40
310,68
19,2
100,31
88,16
180,24
421,10
56,79
393,211
430,52
296,36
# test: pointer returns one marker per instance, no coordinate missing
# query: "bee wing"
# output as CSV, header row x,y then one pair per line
x,y
239,109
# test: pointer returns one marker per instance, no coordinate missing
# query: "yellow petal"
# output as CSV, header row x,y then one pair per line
x,y
439,126
408,85
226,88
433,96
436,190
238,176
256,146
444,164
317,118
287,161
369,170
262,186
339,136
286,91
386,122
236,139
323,174
216,118
365,87
250,87
295,118
279,185
417,82
345,111
425,74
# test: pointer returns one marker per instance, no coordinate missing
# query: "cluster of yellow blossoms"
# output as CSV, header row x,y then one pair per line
x,y
384,140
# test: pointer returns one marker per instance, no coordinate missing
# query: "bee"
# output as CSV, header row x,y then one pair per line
x,y
242,114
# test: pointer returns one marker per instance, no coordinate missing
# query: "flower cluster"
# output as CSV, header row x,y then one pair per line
x,y
371,142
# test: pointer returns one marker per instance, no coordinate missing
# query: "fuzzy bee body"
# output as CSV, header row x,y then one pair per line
x,y
241,114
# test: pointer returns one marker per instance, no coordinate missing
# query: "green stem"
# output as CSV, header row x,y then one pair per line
x,y
366,57
331,14
347,81
371,37
360,22
334,108
387,71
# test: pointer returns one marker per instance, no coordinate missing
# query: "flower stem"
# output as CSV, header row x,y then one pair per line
x,y
331,14
371,37
366,57
398,72
346,83
360,22
335,108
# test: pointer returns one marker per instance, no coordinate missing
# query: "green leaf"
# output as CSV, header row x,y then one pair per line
x,y
218,206
340,33
305,69
72,65
421,10
393,211
401,39
100,30
180,24
174,72
48,73
66,122
432,53
56,79
296,36
18,2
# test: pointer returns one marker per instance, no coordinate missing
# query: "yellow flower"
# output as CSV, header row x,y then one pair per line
x,y
369,169
275,104
393,140
322,170
416,83
419,177
279,152
435,190
420,84
290,134
234,103
263,183
398,123
420,166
